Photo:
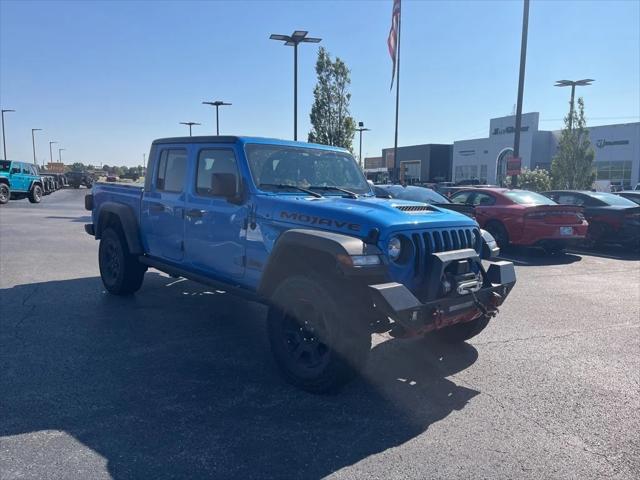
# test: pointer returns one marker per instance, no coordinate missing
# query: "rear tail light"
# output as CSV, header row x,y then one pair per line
x,y
554,213
632,216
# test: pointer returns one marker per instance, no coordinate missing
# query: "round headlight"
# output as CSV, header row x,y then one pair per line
x,y
394,247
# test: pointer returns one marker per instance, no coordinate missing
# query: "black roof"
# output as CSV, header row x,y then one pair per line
x,y
198,139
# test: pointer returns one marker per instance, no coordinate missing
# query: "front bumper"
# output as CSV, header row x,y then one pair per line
x,y
398,303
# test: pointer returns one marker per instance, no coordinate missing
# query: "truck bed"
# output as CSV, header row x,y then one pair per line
x,y
122,193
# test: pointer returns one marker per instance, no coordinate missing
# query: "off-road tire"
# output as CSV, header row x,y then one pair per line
x,y
35,195
499,233
120,271
462,331
5,193
317,344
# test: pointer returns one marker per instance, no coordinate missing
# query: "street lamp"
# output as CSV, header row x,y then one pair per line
x,y
217,104
573,83
299,36
60,154
191,124
51,152
4,143
33,142
361,129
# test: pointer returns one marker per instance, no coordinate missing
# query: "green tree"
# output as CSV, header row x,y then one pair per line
x,y
78,167
331,120
572,167
537,180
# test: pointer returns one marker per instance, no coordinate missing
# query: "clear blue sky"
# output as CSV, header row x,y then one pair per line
x,y
106,78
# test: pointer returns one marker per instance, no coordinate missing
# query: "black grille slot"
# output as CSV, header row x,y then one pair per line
x,y
414,208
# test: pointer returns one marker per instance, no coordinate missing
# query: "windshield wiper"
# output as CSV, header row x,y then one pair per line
x,y
294,187
337,189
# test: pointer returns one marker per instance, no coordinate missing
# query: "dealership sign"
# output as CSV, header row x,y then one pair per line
x,y
514,165
609,143
503,131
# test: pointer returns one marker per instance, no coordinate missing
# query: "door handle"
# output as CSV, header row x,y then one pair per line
x,y
156,207
195,213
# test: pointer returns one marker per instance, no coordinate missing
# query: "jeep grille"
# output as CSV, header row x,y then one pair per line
x,y
434,241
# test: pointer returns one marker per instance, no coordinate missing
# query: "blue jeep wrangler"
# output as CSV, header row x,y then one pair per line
x,y
297,226
19,180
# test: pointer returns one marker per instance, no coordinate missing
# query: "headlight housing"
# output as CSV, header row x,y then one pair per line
x,y
394,248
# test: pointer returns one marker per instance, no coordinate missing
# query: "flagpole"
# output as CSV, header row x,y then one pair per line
x,y
395,141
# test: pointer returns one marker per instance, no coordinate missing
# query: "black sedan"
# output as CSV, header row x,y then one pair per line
x,y
633,195
612,218
421,194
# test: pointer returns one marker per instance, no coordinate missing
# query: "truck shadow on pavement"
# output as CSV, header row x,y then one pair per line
x,y
178,382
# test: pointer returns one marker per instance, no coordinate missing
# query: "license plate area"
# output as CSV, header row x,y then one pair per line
x,y
565,231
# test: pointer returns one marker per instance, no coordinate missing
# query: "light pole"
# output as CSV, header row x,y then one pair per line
x,y
217,104
299,36
4,143
33,142
51,152
361,129
573,83
190,124
523,61
60,154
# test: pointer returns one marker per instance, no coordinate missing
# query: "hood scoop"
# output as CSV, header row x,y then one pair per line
x,y
415,208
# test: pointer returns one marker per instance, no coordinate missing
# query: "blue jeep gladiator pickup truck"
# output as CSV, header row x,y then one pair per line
x,y
297,226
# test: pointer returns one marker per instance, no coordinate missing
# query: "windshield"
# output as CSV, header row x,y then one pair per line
x,y
523,197
308,168
611,199
5,165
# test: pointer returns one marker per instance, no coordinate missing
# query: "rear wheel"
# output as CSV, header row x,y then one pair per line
x,y
5,193
462,331
120,271
498,232
35,195
318,346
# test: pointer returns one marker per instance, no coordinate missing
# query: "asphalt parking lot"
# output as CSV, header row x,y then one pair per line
x,y
178,381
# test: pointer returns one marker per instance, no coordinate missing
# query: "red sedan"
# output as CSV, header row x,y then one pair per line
x,y
520,217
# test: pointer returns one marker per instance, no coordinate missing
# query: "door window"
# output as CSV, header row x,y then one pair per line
x,y
568,199
15,168
172,170
211,163
483,199
25,169
460,197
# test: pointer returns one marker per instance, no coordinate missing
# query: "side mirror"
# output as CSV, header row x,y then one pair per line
x,y
224,185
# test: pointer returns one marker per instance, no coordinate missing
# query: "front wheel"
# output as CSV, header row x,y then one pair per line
x,y
317,345
35,195
5,193
499,232
462,331
120,271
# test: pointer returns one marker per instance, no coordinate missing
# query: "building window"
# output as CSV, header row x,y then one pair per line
x,y
483,174
614,171
467,172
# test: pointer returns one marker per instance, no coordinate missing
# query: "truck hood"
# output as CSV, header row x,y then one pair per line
x,y
358,216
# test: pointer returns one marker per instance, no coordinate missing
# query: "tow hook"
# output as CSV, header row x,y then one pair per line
x,y
491,311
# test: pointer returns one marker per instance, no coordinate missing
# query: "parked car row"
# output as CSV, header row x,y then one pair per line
x,y
20,180
551,220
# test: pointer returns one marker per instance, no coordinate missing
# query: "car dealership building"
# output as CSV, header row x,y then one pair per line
x,y
617,151
617,154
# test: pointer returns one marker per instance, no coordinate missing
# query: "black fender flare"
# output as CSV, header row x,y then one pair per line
x,y
6,181
128,221
329,243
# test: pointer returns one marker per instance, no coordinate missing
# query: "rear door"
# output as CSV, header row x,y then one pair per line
x,y
162,214
18,178
215,226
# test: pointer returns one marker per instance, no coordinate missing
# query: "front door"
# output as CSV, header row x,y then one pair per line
x,y
19,179
163,206
215,225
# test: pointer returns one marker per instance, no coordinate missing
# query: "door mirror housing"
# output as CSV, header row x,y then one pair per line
x,y
224,185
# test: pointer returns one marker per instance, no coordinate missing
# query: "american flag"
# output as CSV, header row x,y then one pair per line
x,y
392,41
